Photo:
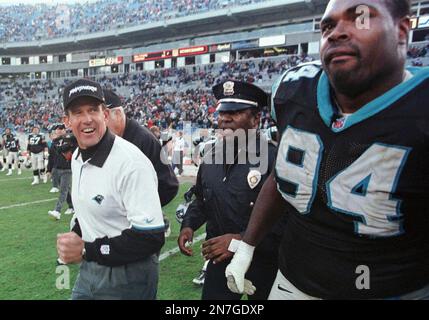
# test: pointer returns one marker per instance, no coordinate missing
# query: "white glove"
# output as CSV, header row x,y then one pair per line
x,y
46,154
237,269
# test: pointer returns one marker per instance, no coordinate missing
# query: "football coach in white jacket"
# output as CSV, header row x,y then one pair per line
x,y
119,228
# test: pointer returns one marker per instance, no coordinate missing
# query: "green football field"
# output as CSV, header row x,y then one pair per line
x,y
28,267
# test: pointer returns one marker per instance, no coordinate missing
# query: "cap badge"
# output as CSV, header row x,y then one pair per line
x,y
253,178
228,88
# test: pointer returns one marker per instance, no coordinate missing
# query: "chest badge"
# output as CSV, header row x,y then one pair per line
x,y
253,178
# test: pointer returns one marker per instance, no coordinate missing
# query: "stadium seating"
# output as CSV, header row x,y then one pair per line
x,y
166,97
35,22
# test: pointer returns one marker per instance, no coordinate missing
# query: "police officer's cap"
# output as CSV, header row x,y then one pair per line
x,y
235,95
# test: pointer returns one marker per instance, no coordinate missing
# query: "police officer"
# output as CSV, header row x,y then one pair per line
x,y
228,182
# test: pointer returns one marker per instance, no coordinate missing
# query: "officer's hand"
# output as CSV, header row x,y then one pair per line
x,y
69,247
217,248
185,237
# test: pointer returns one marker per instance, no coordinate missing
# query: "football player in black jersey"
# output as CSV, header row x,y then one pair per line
x,y
3,148
11,144
351,171
37,151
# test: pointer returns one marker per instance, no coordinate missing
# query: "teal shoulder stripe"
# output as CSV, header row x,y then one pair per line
x,y
326,109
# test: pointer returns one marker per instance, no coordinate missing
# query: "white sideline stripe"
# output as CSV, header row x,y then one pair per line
x,y
27,203
163,256
169,253
13,179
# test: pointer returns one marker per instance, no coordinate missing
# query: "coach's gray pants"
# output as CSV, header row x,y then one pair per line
x,y
64,177
134,281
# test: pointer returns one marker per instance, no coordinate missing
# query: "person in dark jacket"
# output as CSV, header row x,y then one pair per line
x,y
63,147
144,139
57,130
228,182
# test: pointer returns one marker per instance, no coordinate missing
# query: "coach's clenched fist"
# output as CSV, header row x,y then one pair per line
x,y
70,247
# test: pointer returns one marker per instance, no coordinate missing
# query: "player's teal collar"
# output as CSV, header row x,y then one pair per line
x,y
326,109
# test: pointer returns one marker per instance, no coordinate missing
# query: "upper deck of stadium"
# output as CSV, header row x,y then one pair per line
x,y
47,42
29,29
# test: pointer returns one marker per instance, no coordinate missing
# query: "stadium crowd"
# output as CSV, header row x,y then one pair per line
x,y
418,55
36,22
165,98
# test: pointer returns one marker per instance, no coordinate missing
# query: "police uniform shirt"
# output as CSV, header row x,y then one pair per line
x,y
115,190
226,194
356,186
